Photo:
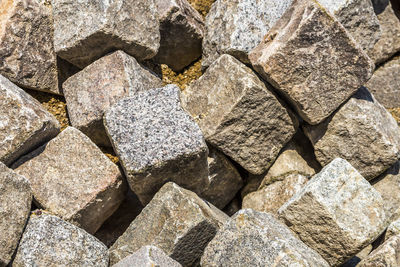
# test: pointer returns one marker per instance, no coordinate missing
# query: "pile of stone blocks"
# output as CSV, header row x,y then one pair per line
x,y
282,153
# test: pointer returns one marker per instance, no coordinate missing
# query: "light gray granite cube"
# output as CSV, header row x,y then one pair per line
x,y
157,142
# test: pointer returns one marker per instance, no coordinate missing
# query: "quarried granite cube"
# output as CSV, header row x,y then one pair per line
x,y
48,239
73,179
337,213
177,221
239,115
157,142
128,25
310,58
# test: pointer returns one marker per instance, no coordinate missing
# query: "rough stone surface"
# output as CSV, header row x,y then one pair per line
x,y
388,185
92,91
48,240
27,55
24,123
337,213
359,19
362,131
388,254
157,141
393,229
73,179
385,84
289,173
181,30
297,157
252,238
239,115
129,25
177,221
15,206
148,256
236,27
310,58
389,43
271,197
224,180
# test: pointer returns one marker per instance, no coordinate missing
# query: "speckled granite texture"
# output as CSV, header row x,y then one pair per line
x,y
157,142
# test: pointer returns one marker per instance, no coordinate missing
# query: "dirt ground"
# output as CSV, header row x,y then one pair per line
x,y
54,104
202,6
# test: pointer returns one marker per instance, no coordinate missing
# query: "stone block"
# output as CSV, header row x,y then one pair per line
x,y
362,131
337,212
128,25
181,30
236,27
27,55
74,180
177,221
310,58
239,115
48,240
252,238
157,142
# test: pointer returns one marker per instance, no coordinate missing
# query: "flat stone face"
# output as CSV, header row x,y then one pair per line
x,y
239,115
236,27
73,179
15,206
157,142
385,255
271,197
362,131
49,240
359,19
389,42
224,180
181,30
388,185
148,256
309,57
337,213
27,55
385,84
96,88
252,238
129,25
177,221
24,123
